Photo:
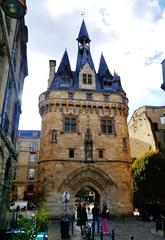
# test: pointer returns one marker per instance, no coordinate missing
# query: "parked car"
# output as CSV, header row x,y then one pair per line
x,y
18,205
150,211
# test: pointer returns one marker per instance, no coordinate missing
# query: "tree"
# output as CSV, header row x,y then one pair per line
x,y
149,178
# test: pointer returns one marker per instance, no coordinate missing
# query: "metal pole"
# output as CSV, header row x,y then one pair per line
x,y
163,226
72,226
93,231
101,232
113,234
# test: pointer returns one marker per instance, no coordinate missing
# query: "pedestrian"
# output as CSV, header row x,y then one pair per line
x,y
83,217
78,214
96,215
105,217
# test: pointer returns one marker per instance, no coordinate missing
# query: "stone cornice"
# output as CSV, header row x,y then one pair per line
x,y
82,161
78,106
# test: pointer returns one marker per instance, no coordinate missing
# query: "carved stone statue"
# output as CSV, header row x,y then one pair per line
x,y
88,146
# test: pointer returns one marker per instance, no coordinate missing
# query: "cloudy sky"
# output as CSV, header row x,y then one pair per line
x,y
130,33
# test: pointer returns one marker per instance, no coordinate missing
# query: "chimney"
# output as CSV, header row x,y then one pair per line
x,y
163,71
52,66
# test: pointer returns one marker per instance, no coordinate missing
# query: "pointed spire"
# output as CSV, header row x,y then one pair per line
x,y
103,69
63,77
65,63
83,34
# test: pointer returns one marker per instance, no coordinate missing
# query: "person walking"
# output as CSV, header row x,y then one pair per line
x,y
82,217
105,217
96,215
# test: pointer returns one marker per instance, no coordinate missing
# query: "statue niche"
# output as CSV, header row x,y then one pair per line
x,y
88,146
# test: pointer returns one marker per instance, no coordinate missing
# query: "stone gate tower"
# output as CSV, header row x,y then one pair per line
x,y
84,135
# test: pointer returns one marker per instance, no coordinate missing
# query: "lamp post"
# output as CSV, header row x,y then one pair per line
x,y
14,8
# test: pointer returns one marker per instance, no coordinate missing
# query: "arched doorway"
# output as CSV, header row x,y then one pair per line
x,y
87,197
91,177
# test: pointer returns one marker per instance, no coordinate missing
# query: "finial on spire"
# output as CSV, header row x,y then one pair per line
x,y
83,14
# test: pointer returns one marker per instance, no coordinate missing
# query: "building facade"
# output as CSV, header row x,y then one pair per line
x,y
13,70
84,136
24,186
147,130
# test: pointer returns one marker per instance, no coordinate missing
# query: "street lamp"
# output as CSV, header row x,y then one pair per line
x,y
14,8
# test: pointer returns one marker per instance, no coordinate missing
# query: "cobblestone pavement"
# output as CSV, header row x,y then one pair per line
x,y
123,229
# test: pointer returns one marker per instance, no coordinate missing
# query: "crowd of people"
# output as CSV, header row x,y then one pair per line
x,y
99,217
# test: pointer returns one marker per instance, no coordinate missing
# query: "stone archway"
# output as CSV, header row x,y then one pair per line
x,y
89,176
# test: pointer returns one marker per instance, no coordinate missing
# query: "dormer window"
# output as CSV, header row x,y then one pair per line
x,y
107,83
87,78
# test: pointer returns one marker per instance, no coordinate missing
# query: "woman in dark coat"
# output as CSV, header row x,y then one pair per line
x,y
82,217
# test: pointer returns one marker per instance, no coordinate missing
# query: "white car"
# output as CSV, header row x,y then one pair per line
x,y
18,205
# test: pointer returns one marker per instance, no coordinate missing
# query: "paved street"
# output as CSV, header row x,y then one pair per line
x,y
123,228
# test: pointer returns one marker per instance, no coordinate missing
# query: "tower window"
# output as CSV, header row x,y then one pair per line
x,y
84,78
87,78
107,126
70,124
71,153
100,153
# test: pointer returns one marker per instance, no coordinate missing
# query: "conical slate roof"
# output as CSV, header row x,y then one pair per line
x,y
66,78
83,34
103,69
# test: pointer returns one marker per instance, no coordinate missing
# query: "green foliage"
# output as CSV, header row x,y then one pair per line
x,y
41,219
30,227
84,191
149,177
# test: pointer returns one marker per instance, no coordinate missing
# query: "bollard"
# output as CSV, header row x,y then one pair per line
x,y
113,234
101,232
163,226
93,231
131,238
72,226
